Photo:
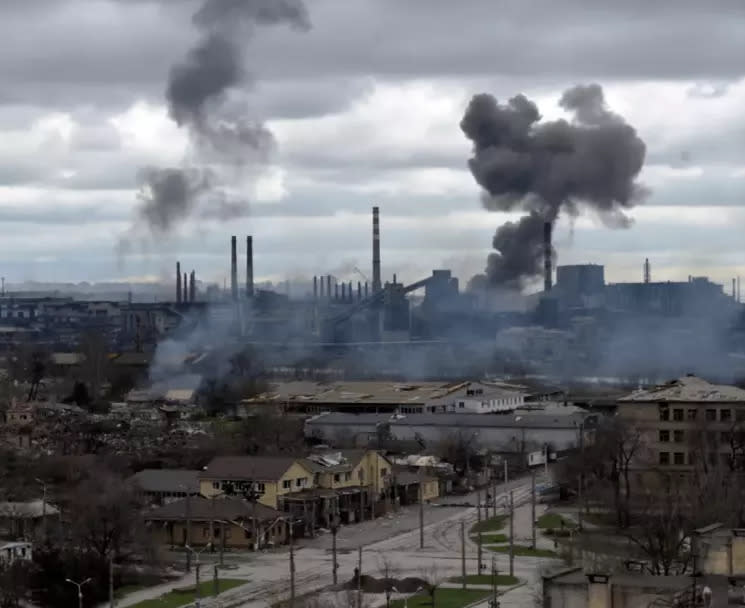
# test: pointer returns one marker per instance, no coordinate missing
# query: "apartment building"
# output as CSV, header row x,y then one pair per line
x,y
684,421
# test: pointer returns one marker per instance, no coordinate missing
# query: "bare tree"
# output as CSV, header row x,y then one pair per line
x,y
661,529
388,571
432,578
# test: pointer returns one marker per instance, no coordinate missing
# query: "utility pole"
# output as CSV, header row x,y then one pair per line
x,y
545,463
188,529
43,508
111,582
495,600
478,529
505,471
463,552
532,508
359,577
215,582
494,491
334,530
292,567
198,590
421,515
512,534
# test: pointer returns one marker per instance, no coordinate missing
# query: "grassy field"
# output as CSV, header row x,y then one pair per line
x,y
444,598
491,538
555,521
522,551
503,580
181,597
493,524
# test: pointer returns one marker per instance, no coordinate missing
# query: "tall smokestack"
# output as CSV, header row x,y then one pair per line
x,y
359,291
186,288
233,268
192,286
249,266
376,249
328,286
547,256
315,287
178,282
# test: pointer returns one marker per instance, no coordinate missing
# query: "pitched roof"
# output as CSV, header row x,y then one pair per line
x,y
261,468
32,509
204,509
167,480
690,389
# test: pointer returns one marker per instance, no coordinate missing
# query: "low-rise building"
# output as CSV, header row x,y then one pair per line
x,y
25,520
161,486
15,551
268,477
229,522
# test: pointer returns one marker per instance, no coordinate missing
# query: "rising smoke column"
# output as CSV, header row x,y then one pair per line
x,y
544,168
222,135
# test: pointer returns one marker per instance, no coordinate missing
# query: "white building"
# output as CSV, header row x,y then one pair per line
x,y
12,552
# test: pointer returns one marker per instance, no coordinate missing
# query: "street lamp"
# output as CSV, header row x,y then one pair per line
x,y
198,592
80,589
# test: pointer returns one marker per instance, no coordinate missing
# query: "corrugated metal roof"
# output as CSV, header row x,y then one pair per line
x,y
688,389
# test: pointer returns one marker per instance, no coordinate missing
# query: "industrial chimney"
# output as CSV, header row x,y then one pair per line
x,y
178,282
186,288
547,257
249,267
192,286
376,250
233,268
315,287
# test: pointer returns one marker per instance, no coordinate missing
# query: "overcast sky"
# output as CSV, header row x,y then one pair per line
x,y
365,108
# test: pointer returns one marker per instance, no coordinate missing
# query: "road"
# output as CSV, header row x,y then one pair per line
x,y
393,540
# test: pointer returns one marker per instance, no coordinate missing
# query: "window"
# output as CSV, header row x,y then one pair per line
x,y
205,532
461,405
216,485
725,415
691,414
337,477
216,531
383,471
680,458
664,436
664,458
677,415
260,488
247,533
664,414
287,484
300,482
711,414
678,435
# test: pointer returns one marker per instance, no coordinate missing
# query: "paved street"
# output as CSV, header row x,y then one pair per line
x,y
394,539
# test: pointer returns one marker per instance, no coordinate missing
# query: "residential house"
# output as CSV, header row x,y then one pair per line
x,y
268,477
233,523
25,519
161,486
14,551
410,487
348,486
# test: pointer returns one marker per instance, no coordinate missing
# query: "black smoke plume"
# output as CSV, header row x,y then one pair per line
x,y
223,137
544,168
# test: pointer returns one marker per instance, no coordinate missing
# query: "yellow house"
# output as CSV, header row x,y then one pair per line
x,y
269,477
351,468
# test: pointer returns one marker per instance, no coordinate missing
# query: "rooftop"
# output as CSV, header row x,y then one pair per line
x,y
204,509
688,389
167,480
250,468
32,509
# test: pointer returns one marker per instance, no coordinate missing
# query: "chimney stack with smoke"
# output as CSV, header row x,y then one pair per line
x,y
249,267
647,271
547,278
178,282
192,286
376,250
233,268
